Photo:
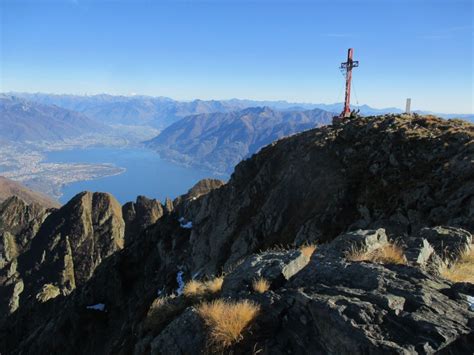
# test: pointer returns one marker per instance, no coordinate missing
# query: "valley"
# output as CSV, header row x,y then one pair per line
x,y
26,164
98,140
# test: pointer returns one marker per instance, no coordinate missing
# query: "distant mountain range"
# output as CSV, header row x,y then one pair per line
x,y
41,116
22,120
218,141
160,112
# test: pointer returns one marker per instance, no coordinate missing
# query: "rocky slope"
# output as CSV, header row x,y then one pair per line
x,y
361,185
218,141
10,188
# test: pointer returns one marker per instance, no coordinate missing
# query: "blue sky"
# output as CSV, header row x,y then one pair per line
x,y
286,50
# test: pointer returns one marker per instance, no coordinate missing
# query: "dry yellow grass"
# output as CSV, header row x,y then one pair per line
x,y
227,320
388,254
308,250
462,270
196,288
214,285
261,285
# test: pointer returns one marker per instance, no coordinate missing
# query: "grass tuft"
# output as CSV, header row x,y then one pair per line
x,y
214,285
261,285
387,254
462,270
227,320
195,288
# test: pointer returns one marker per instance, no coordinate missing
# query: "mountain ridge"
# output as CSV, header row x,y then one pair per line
x,y
24,120
10,188
365,183
226,105
218,141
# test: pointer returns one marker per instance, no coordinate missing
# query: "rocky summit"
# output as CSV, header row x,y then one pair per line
x,y
351,238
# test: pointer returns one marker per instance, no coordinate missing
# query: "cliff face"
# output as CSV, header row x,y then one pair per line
x,y
139,215
55,251
358,186
19,223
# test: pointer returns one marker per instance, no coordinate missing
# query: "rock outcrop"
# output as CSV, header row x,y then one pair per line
x,y
337,306
19,223
62,248
396,172
356,187
139,215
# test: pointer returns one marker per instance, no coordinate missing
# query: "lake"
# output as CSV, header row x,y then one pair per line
x,y
147,174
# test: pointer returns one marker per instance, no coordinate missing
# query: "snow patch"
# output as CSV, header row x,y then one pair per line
x,y
97,307
470,300
161,292
184,224
179,279
187,225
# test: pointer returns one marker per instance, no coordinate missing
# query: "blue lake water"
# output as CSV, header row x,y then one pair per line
x,y
146,173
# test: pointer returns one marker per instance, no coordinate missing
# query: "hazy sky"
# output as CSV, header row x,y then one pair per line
x,y
287,50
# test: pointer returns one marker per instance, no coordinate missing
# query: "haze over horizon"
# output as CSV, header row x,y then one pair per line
x,y
251,50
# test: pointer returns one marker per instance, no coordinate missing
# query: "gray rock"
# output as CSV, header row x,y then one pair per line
x,y
367,240
419,251
276,267
185,335
449,242
140,215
